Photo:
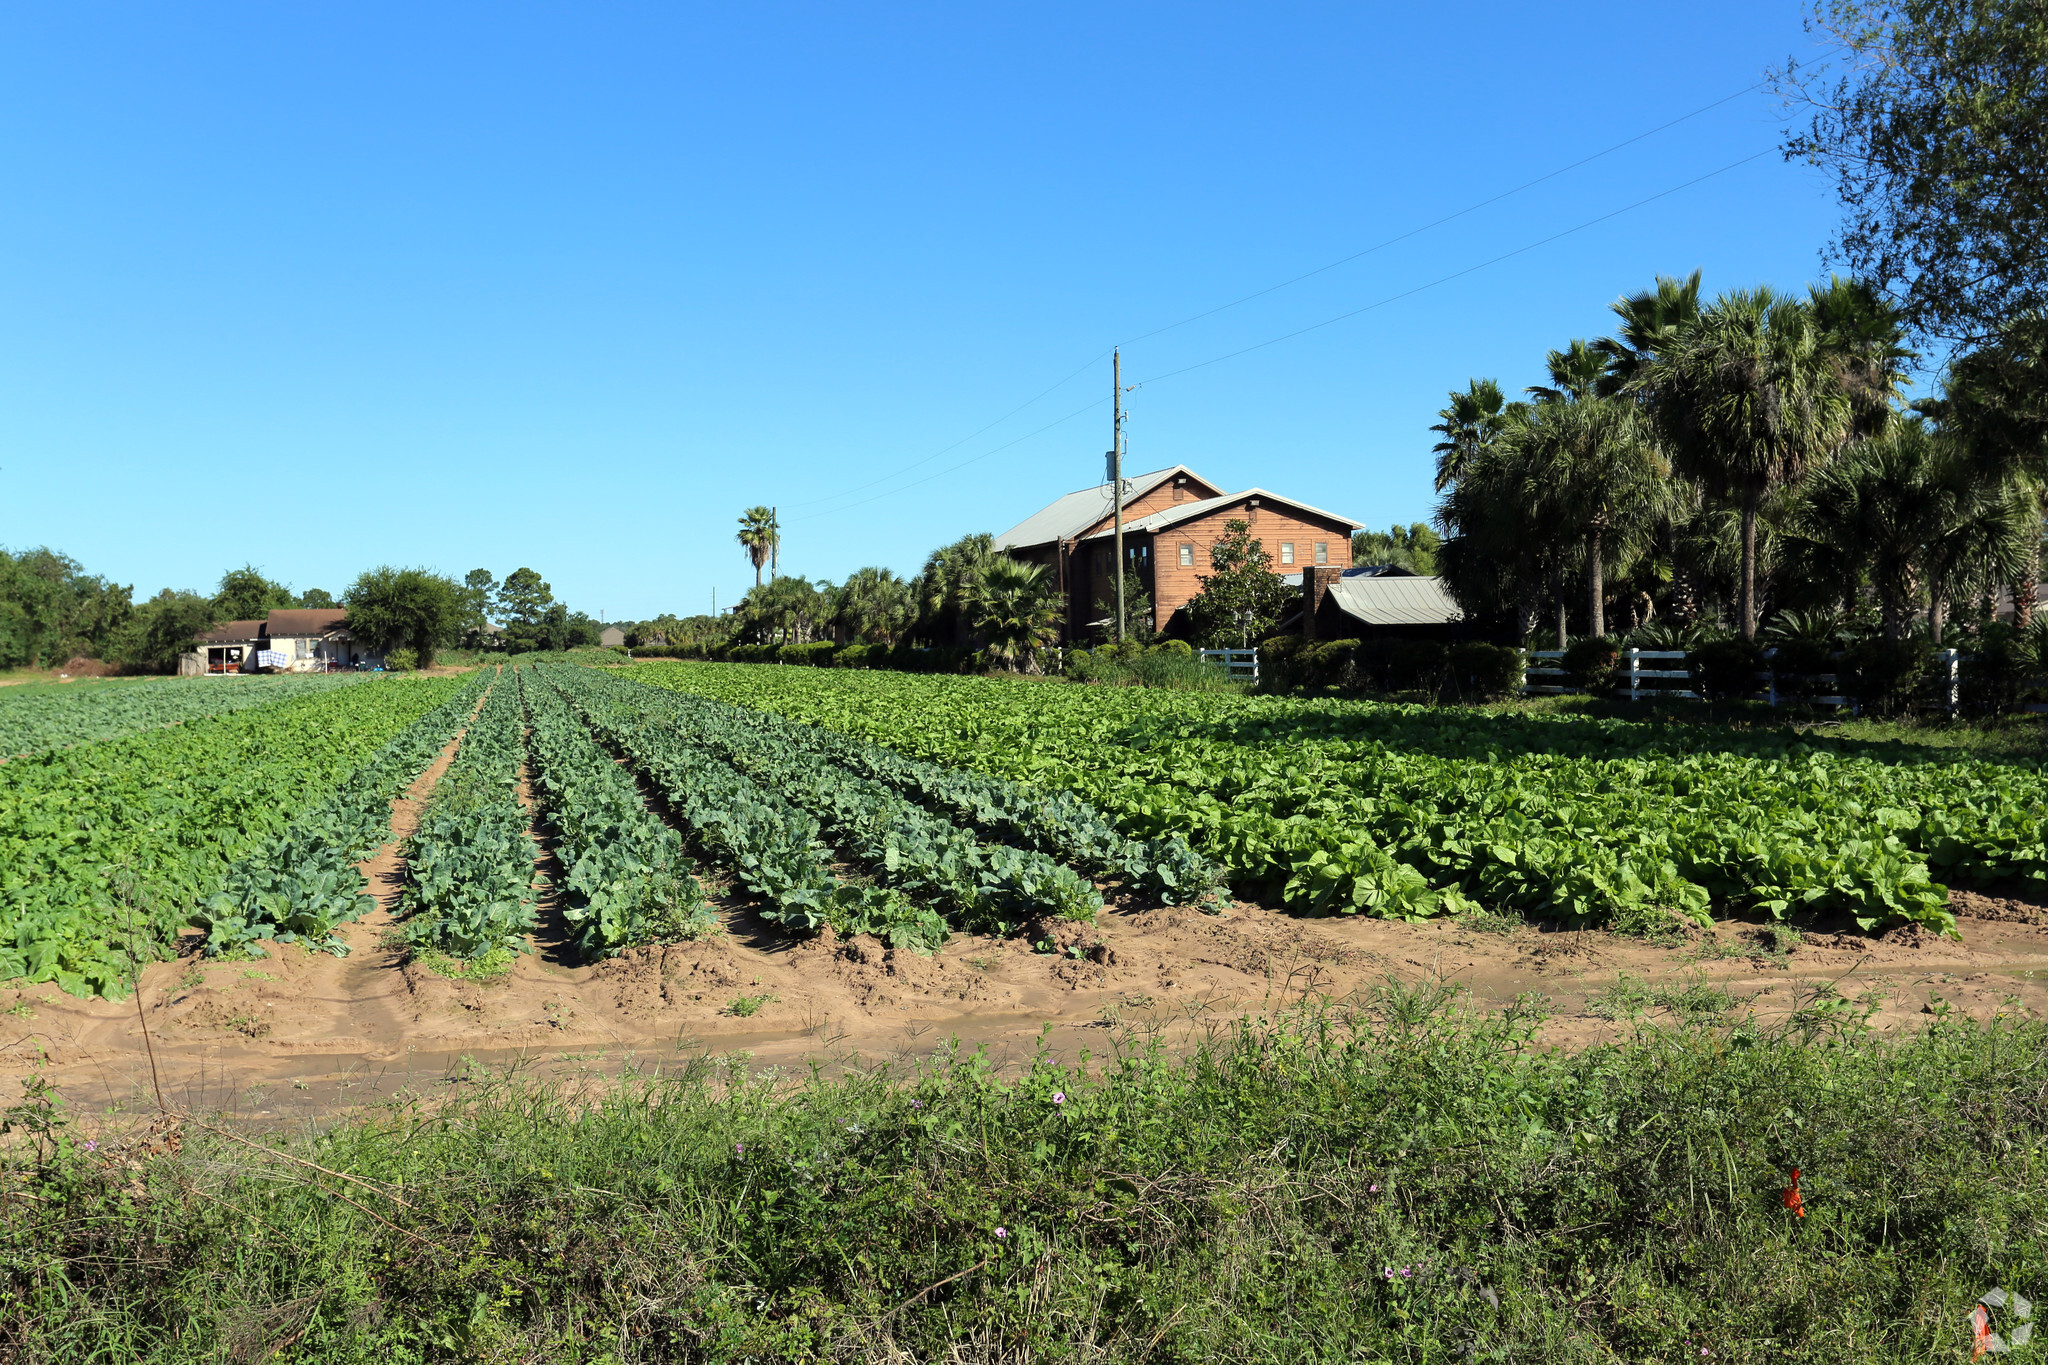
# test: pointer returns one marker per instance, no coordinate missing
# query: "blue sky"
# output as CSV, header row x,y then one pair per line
x,y
321,286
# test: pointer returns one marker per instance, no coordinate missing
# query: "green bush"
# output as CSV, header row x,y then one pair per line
x,y
1590,663
1726,670
401,660
1328,663
1280,663
1800,669
1997,669
1483,672
1395,665
1886,677
1173,647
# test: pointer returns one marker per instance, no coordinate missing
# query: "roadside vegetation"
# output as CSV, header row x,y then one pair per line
x,y
1389,1179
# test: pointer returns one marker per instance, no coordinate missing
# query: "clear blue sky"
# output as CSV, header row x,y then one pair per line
x,y
320,286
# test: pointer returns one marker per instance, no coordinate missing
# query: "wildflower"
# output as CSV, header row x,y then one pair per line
x,y
917,1104
1789,1196
1002,1234
91,1146
739,1149
1372,1189
1059,1097
1407,1271
1387,1271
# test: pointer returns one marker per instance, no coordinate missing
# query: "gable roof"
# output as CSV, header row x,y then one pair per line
x,y
1391,601
294,621
1077,511
1188,511
233,633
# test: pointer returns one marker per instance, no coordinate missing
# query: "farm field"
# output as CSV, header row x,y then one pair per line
x,y
1412,812
583,923
35,719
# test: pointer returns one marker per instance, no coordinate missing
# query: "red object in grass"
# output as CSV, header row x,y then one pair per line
x,y
1980,1331
1790,1195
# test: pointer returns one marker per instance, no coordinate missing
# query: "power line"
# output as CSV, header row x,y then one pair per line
x,y
1312,327
1297,279
1449,217
1458,274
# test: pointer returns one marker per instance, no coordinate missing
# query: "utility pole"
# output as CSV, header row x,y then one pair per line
x,y
1116,475
774,541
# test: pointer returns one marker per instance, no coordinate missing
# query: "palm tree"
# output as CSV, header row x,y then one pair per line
x,y
759,534
1013,607
945,584
1993,405
1497,556
1575,373
1909,510
1748,397
874,604
1865,337
1595,478
1651,320
1469,425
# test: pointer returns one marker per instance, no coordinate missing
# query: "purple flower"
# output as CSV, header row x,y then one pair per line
x,y
739,1149
1406,1271
917,1104
1059,1097
91,1146
1387,1271
1372,1189
1002,1233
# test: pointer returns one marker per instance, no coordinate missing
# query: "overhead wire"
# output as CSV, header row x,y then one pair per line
x,y
1297,279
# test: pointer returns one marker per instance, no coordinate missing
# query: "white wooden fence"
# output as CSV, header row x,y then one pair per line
x,y
1948,662
1238,663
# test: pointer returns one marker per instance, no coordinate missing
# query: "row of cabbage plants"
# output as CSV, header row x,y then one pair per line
x,y
1410,812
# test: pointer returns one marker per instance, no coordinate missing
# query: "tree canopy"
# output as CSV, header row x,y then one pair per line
x,y
1933,121
416,609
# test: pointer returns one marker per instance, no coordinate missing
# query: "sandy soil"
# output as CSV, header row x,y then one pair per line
x,y
299,1034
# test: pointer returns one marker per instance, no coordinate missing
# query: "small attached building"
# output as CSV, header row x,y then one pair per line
x,y
1377,603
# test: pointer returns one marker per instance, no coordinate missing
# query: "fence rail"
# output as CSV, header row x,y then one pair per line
x,y
1238,663
1947,661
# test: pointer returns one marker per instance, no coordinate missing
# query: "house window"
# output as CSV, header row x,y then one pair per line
x,y
1286,552
1322,552
1187,556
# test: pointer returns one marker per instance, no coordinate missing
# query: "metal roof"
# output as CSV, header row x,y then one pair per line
x,y
1173,516
1079,510
1396,601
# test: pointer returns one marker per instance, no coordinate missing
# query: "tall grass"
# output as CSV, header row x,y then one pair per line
x,y
1395,1179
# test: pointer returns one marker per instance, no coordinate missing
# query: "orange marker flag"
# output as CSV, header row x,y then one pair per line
x,y
1790,1195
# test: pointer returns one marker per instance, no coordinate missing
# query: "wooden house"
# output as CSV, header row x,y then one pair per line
x,y
1172,518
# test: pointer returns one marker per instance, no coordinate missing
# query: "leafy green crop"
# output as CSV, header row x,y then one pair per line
x,y
304,885
628,882
33,722
982,886
469,865
106,848
1408,812
773,849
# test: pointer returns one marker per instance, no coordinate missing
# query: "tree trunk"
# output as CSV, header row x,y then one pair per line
x,y
1596,606
2023,591
1934,615
1560,614
1746,608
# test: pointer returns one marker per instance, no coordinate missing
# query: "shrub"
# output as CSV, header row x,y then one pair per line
x,y
1328,663
1173,647
1395,665
1589,663
1884,677
1800,668
1482,672
402,660
1726,669
856,656
1280,663
1996,672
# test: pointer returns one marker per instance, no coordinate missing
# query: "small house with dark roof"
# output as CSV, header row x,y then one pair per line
x,y
289,640
1173,517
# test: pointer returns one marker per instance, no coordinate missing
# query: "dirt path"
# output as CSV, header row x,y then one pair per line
x,y
303,1034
